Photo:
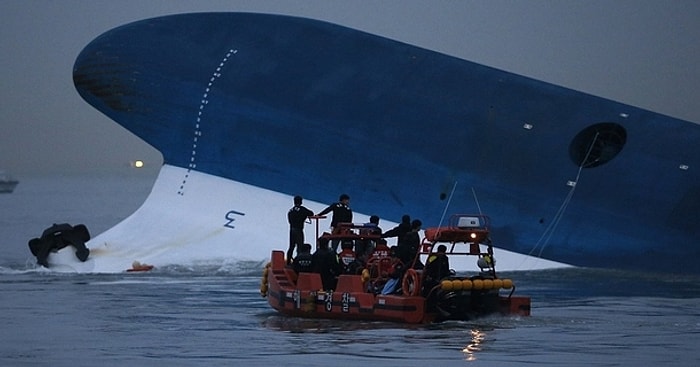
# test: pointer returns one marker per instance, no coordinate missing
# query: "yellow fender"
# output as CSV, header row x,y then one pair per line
x,y
263,282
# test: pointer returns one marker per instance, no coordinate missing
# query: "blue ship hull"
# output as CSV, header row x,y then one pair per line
x,y
299,106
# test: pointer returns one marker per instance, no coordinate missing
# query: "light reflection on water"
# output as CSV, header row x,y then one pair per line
x,y
471,350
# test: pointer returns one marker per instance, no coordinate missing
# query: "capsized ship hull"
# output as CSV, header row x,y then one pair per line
x,y
298,106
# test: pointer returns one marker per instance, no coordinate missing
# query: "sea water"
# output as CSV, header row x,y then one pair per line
x,y
214,315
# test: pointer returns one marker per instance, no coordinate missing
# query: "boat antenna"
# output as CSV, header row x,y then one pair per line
x,y
449,199
477,201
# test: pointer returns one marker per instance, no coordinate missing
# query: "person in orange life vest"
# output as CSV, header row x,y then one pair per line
x,y
341,214
296,216
395,273
347,257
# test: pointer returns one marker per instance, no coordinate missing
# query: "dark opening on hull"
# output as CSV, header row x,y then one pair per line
x,y
597,144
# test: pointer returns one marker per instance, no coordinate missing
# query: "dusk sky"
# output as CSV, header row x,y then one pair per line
x,y
639,52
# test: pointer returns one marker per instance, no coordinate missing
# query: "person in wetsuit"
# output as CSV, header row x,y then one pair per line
x,y
296,216
341,214
325,262
398,231
409,245
57,237
437,266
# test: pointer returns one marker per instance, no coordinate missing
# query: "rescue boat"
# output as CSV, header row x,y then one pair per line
x,y
418,298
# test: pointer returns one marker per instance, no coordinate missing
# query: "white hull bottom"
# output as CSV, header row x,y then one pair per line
x,y
192,218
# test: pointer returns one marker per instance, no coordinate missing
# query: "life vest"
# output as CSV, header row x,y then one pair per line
x,y
348,261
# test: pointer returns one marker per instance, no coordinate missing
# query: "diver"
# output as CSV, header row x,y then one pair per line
x,y
57,237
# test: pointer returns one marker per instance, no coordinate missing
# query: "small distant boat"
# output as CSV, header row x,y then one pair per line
x,y
7,183
139,267
419,297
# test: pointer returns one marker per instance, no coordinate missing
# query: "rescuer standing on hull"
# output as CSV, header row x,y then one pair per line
x,y
341,214
296,216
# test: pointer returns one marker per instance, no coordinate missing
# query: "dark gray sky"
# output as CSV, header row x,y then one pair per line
x,y
641,52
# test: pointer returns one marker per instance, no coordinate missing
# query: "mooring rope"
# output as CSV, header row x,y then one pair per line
x,y
549,231
477,201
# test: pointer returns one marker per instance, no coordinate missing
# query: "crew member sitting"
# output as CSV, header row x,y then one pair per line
x,y
437,267
348,259
325,262
395,274
303,262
